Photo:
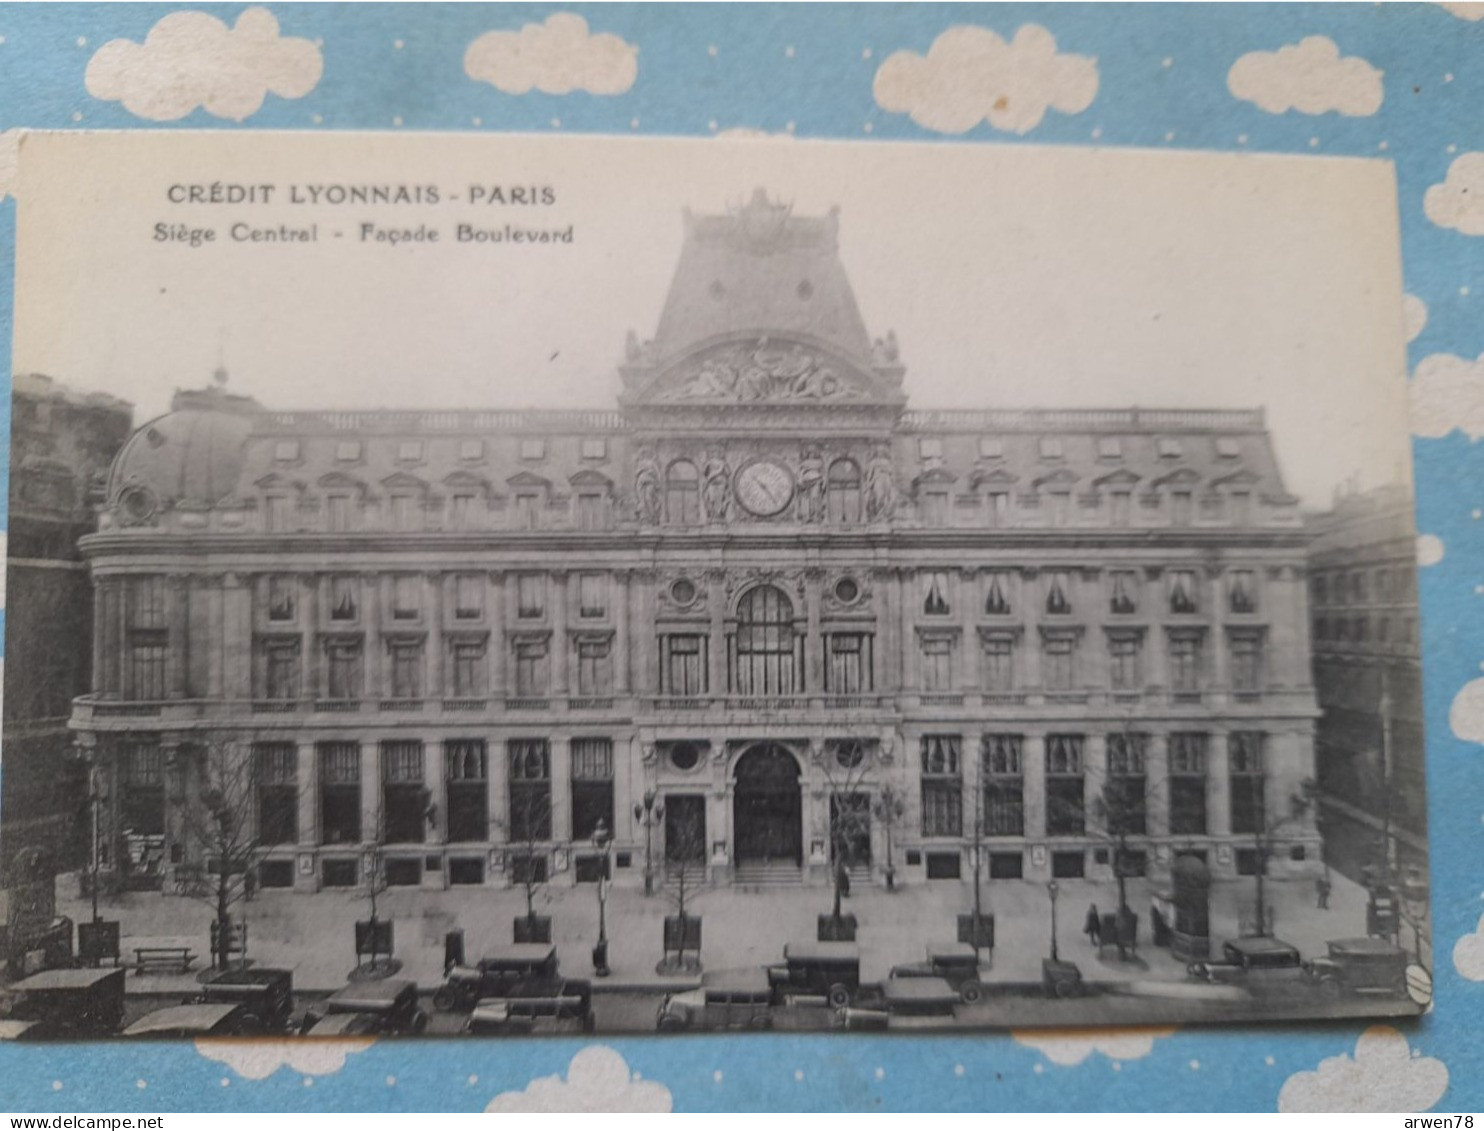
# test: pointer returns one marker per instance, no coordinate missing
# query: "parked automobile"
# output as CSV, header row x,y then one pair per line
x,y
1361,966
67,1004
220,1019
1260,965
388,1007
537,1006
955,963
494,974
914,1002
726,999
266,995
830,969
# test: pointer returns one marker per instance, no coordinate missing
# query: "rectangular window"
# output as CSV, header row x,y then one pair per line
x,y
471,451
1185,662
345,597
997,667
1187,783
592,595
991,447
410,451
592,511
344,669
1248,795
848,668
276,765
466,772
533,447
592,786
142,804
1184,594
1246,663
1051,448
1181,508
1059,508
281,669
1066,806
1126,793
146,672
407,668
1006,865
286,451
530,593
1068,865
1123,597
460,511
276,514
683,665
935,593
468,669
1058,663
1126,671
1241,591
527,510
594,447
937,664
1004,785
1120,507
1169,448
406,596
339,874
1059,592
935,508
930,447
1110,447
403,792
339,513
1240,507
530,789
942,785
999,508
339,792
594,667
468,598
406,513
282,594
997,595
532,668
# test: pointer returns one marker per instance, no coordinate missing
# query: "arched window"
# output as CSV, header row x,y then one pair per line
x,y
682,494
766,654
844,503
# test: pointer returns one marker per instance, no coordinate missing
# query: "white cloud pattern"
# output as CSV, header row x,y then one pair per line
x,y
1466,715
1458,202
556,57
257,1060
598,1080
1430,549
10,142
1310,76
1471,10
1468,954
970,75
1384,1076
1414,316
1073,1046
191,59
1447,392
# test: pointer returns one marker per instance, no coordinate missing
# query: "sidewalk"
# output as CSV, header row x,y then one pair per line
x,y
314,936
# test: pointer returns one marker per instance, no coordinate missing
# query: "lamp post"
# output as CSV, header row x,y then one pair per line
x,y
649,814
1051,890
603,842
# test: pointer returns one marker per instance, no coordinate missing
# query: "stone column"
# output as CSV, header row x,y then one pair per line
x,y
621,644
1218,786
306,781
1284,642
100,611
108,620
370,793
968,600
498,796
560,645
884,645
910,648
1033,767
1157,770
237,638
1029,674
496,650
436,784
647,672
1220,680
215,635
375,654
561,788
1157,678
716,638
813,641
1095,776
312,658
1297,611
434,588
176,657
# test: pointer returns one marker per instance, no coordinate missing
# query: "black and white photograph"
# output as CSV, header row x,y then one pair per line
x,y
501,585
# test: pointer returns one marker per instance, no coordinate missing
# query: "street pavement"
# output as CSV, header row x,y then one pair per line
x,y
314,935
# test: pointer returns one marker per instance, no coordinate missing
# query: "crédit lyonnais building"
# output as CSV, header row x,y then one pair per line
x,y
761,591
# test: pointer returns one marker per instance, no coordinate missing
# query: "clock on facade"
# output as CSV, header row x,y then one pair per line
x,y
764,488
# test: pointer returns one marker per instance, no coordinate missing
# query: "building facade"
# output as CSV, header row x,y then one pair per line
x,y
1368,681
805,619
62,443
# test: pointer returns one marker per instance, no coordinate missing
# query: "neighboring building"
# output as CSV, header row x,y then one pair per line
x,y
761,587
1368,679
62,443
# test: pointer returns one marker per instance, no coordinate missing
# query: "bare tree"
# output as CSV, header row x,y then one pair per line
x,y
1269,830
849,816
685,870
530,828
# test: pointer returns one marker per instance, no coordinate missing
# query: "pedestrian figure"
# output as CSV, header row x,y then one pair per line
x,y
1321,888
842,879
1093,928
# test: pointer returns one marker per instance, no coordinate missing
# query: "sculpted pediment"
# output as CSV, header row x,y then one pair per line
x,y
763,370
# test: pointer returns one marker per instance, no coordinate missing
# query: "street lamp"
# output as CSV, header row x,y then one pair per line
x,y
603,842
648,814
1051,890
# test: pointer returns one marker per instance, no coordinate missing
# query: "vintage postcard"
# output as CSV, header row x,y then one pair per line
x,y
515,584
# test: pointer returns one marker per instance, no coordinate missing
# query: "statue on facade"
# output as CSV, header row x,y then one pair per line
x,y
881,488
811,488
716,490
647,488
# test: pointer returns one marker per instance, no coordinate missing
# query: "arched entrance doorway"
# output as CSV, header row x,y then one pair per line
x,y
767,813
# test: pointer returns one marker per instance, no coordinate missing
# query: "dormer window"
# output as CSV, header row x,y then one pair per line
x,y
935,508
1183,595
533,447
930,448
1240,507
1181,508
286,451
1169,448
1110,447
1124,599
410,451
594,447
344,598
1120,507
935,595
1228,447
277,512
1059,508
1051,447
348,451
527,509
404,512
1059,593
471,451
1242,591
281,598
999,508
340,512
991,447
406,598
460,510
997,600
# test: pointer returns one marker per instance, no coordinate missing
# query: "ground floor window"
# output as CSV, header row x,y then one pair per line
x,y
1006,865
401,872
464,870
525,868
339,873
943,866
276,874
1068,865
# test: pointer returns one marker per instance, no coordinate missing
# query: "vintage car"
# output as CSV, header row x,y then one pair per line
x,y
67,1004
266,995
221,1019
494,975
388,1007
830,969
1260,965
956,963
726,999
914,1002
1361,966
536,1006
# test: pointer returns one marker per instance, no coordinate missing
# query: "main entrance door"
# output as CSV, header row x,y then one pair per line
x,y
767,812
